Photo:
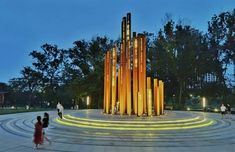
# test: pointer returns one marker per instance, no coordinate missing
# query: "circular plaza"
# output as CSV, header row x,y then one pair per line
x,y
93,130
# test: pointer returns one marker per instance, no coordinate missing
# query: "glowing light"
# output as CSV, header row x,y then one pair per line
x,y
188,109
216,110
203,102
134,122
132,125
88,100
131,88
133,128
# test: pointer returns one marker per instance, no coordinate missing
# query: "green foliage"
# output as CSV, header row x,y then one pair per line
x,y
178,54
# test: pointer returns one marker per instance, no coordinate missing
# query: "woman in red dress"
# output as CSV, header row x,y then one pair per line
x,y
38,135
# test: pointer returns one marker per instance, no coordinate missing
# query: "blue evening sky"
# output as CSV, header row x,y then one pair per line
x,y
27,24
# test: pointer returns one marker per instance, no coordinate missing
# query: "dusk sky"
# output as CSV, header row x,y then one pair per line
x,y
25,25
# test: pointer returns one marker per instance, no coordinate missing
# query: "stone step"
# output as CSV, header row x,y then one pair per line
x,y
129,126
134,122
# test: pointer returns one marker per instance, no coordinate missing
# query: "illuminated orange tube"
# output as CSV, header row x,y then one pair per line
x,y
114,61
108,77
140,104
135,73
144,73
149,102
149,97
121,81
124,65
128,65
157,112
155,95
161,93
140,73
163,101
119,90
104,102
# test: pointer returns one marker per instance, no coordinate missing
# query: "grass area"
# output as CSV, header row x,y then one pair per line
x,y
20,110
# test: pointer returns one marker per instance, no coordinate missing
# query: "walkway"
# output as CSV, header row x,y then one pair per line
x,y
92,131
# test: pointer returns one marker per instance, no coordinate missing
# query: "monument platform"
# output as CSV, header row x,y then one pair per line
x,y
91,130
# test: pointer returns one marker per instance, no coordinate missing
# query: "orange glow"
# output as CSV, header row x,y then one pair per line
x,y
135,75
128,66
114,61
132,59
108,87
161,96
149,102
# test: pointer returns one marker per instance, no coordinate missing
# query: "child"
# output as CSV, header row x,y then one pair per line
x,y
38,136
45,123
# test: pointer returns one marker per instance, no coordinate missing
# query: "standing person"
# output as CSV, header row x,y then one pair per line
x,y
38,135
222,109
45,123
76,107
60,110
229,111
58,107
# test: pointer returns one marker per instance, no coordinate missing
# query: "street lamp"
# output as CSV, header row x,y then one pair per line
x,y
204,102
88,101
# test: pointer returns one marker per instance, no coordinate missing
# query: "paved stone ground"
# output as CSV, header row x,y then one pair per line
x,y
91,132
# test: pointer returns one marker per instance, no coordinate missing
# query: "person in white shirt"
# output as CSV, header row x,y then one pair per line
x,y
222,109
60,110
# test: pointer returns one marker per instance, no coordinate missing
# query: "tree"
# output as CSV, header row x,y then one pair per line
x,y
177,48
48,64
86,68
221,37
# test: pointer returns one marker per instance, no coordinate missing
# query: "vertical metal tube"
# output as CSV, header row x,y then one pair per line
x,y
144,74
149,102
135,73
128,63
140,104
161,97
155,95
105,90
114,86
121,81
108,78
141,74
163,101
124,63
119,89
149,97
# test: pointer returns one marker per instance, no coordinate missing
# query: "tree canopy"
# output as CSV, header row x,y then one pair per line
x,y
181,55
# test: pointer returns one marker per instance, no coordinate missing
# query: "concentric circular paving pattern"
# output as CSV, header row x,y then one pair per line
x,y
92,127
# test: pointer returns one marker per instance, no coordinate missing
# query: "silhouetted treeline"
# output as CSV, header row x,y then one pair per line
x,y
190,62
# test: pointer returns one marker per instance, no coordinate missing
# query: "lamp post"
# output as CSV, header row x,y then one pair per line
x,y
203,103
191,95
87,101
